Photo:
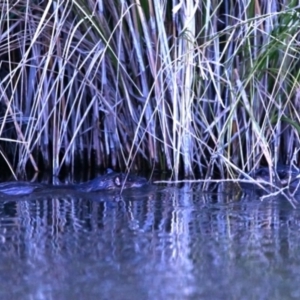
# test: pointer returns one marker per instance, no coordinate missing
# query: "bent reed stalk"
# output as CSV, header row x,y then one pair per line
x,y
193,88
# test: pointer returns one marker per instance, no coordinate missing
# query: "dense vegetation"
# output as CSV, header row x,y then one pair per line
x,y
193,87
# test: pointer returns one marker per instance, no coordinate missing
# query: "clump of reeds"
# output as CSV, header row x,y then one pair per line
x,y
191,87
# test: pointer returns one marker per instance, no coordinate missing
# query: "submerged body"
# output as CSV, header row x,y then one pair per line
x,y
110,181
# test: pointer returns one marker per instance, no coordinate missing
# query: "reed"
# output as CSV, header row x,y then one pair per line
x,y
193,88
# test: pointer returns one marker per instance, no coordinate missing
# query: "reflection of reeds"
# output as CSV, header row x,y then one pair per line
x,y
162,220
67,243
188,88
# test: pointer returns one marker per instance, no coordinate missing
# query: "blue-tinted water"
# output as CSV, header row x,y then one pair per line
x,y
161,243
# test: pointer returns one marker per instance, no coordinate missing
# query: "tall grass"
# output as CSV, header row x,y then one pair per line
x,y
197,88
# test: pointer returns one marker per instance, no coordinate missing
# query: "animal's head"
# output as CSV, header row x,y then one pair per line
x,y
127,181
115,181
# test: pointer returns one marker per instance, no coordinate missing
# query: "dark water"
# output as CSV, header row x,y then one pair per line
x,y
161,243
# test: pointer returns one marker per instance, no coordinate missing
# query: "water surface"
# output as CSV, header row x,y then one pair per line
x,y
149,243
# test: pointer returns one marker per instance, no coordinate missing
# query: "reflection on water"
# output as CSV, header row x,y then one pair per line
x,y
163,243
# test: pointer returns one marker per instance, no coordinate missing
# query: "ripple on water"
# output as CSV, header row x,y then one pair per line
x,y
167,243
